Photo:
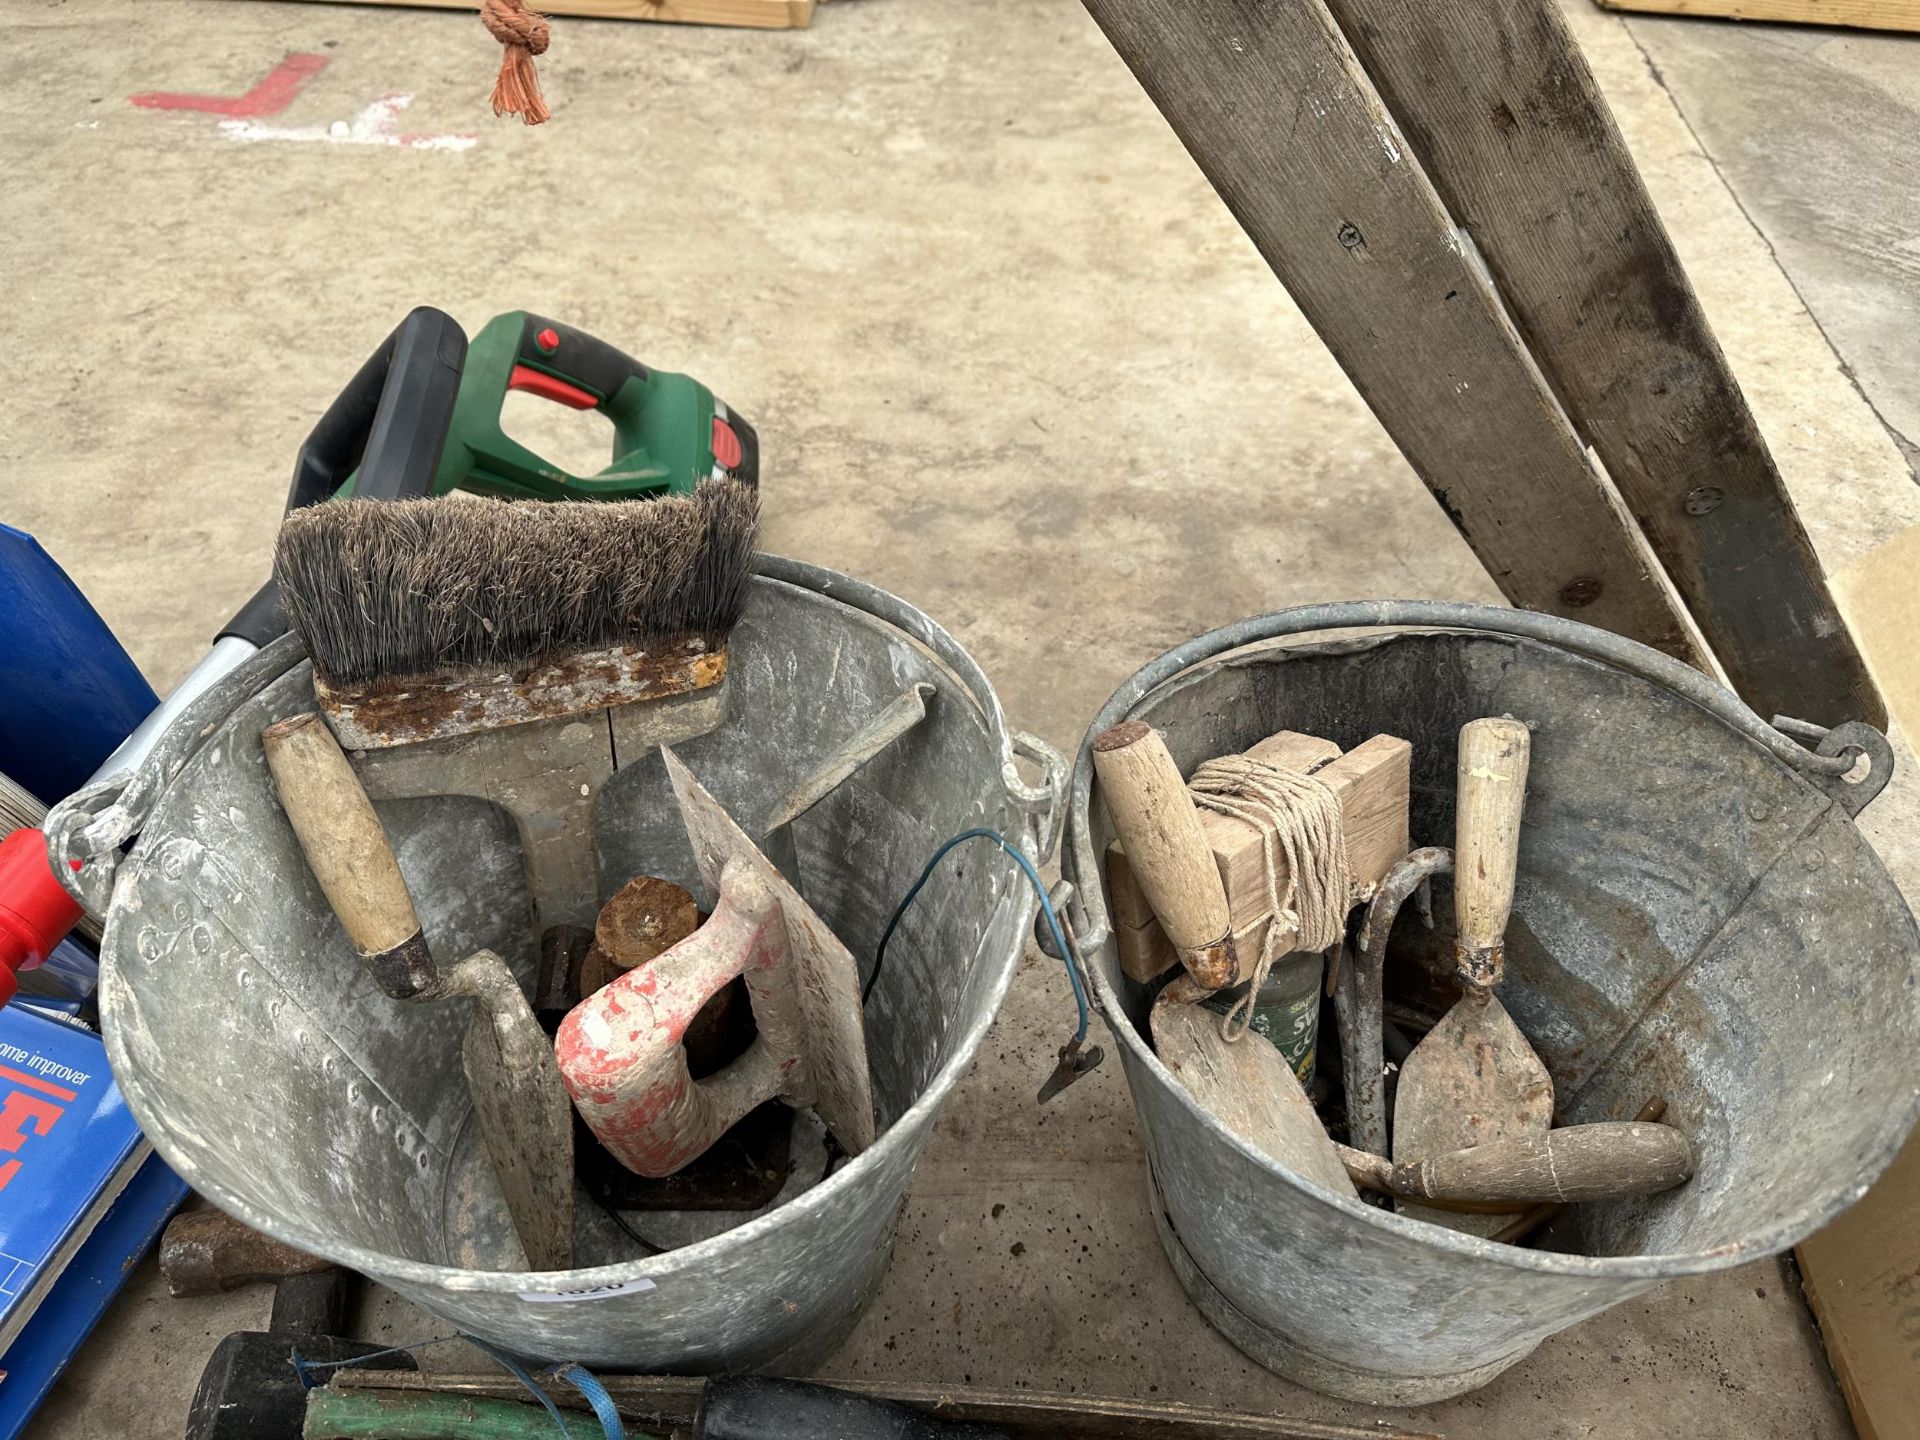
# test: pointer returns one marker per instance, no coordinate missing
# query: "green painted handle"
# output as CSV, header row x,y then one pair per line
x,y
395,1415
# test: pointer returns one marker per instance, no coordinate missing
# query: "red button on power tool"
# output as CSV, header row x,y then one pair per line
x,y
548,340
726,445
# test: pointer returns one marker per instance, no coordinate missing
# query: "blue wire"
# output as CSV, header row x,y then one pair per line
x,y
588,1384
1039,888
573,1373
520,1372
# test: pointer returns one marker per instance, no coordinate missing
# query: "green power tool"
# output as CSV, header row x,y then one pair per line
x,y
669,431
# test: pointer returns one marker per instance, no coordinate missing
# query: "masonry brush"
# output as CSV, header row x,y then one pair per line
x,y
427,619
509,650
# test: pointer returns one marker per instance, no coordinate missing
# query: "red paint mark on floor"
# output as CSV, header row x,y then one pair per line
x,y
269,97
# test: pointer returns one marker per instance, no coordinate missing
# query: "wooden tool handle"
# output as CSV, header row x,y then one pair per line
x,y
1580,1162
1492,794
348,852
1159,825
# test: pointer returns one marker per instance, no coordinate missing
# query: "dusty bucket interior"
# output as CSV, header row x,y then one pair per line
x,y
1692,921
267,1068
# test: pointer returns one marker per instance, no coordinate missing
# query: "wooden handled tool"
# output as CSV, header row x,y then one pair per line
x,y
1578,1162
1494,756
348,852
1159,825
1474,1079
525,1118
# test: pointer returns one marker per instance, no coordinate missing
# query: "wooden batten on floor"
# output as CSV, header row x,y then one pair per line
x,y
748,14
1860,14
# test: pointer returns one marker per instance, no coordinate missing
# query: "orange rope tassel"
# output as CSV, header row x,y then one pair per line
x,y
524,34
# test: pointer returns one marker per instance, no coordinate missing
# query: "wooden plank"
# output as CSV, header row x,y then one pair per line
x,y
1372,782
747,14
1503,112
1882,603
1862,1277
1272,103
1861,14
1145,951
673,1400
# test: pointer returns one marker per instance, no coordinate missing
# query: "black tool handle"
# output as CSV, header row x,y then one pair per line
x,y
585,361
752,1407
391,422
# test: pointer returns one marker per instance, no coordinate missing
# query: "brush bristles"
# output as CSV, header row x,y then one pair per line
x,y
382,590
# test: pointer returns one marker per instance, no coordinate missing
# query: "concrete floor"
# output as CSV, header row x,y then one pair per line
x,y
1011,359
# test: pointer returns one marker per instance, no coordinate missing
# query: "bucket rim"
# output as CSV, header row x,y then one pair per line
x,y
1395,617
1041,823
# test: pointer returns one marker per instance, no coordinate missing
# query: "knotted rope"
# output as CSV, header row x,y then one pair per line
x,y
525,35
1300,821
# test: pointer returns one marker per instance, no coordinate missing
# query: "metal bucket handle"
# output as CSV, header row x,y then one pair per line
x,y
93,824
1826,767
90,827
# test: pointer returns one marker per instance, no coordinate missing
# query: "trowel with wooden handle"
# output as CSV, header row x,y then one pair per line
x,y
1474,1079
524,1115
1245,1084
1158,823
1604,1161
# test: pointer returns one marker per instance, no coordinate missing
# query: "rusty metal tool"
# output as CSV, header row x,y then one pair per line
x,y
1474,1079
1359,995
249,1389
517,1095
208,1252
520,651
621,1051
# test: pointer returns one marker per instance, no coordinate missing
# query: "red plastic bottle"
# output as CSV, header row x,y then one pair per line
x,y
35,913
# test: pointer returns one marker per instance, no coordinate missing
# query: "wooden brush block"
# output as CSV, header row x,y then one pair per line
x,y
1127,903
1372,782
1145,951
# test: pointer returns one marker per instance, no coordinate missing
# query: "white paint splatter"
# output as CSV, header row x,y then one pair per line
x,y
1392,150
378,124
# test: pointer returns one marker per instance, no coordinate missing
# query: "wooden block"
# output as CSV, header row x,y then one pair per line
x,y
1145,951
1862,1276
750,14
1862,14
1127,903
1290,750
1372,782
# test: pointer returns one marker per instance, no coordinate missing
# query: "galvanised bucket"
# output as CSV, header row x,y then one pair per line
x,y
1697,919
278,1082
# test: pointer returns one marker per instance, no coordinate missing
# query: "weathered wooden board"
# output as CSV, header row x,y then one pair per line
x,y
750,14
1273,104
1862,14
1862,1276
1503,112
